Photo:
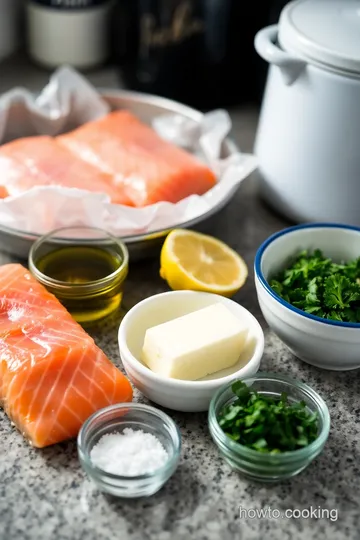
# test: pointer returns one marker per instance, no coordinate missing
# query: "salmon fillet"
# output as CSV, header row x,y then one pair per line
x,y
148,168
41,161
52,375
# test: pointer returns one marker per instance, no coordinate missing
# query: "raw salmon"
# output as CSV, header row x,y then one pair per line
x,y
41,161
52,375
148,168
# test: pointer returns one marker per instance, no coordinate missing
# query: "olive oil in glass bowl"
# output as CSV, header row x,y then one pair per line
x,y
84,267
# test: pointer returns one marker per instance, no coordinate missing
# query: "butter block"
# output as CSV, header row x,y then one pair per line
x,y
195,345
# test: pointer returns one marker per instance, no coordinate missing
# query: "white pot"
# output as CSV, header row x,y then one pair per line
x,y
308,140
9,26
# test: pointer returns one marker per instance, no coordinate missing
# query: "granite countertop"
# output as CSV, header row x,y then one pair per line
x,y
45,495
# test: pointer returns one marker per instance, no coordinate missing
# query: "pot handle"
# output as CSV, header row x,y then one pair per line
x,y
265,46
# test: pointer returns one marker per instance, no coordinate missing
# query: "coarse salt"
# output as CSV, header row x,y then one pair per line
x,y
130,453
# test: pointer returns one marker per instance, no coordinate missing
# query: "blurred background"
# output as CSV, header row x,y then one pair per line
x,y
199,52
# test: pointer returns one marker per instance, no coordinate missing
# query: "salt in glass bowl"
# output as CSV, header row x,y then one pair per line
x,y
115,419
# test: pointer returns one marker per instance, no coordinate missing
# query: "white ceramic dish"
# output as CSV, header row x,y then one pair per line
x,y
187,396
321,342
140,246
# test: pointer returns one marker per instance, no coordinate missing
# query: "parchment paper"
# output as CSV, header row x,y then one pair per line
x,y
69,101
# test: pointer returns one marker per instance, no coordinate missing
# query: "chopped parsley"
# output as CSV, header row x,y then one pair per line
x,y
317,285
266,424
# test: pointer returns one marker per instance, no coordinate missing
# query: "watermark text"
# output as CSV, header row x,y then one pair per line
x,y
313,512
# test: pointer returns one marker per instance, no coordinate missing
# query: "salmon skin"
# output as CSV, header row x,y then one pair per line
x,y
52,374
147,168
41,161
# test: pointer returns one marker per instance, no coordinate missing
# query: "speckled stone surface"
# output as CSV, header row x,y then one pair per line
x,y
45,495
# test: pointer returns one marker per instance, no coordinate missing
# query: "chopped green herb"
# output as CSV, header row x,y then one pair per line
x,y
266,424
317,285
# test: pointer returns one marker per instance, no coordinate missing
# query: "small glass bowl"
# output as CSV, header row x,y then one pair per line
x,y
138,417
265,467
92,265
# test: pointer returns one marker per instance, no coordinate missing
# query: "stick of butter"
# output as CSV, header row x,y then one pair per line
x,y
195,345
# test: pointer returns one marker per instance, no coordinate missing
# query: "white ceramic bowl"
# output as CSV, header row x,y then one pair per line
x,y
321,342
187,396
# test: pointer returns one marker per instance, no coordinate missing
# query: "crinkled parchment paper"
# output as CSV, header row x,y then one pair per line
x,y
69,101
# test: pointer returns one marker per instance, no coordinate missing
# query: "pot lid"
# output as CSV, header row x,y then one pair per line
x,y
325,32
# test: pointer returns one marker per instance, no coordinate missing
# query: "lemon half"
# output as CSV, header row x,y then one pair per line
x,y
193,261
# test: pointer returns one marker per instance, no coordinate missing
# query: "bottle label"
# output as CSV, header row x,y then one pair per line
x,y
70,4
178,48
182,24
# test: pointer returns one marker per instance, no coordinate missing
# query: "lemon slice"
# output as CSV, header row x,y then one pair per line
x,y
198,262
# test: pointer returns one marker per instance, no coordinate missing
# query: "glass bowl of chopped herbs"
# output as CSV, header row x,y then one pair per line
x,y
307,279
268,427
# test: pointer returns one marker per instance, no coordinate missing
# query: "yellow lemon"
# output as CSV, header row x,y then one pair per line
x,y
198,262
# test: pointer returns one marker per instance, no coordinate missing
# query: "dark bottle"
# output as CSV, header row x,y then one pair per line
x,y
199,52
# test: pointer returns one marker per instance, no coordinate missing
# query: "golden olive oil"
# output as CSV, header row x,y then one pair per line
x,y
87,280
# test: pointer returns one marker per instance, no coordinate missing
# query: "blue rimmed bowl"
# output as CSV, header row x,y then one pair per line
x,y
321,342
